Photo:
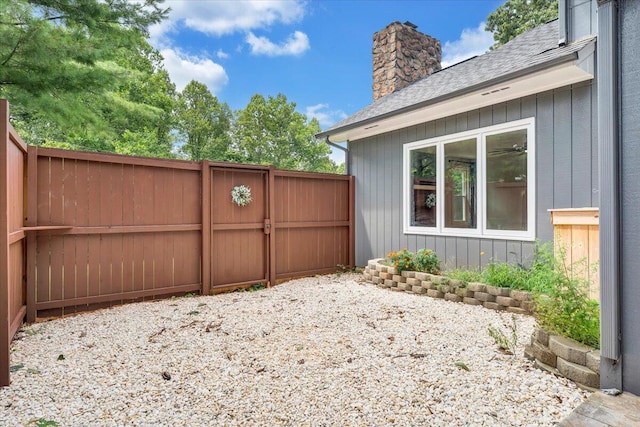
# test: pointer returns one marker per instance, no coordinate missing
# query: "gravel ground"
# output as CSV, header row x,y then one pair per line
x,y
319,351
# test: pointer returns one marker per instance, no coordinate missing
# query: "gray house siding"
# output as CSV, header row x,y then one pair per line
x,y
629,81
583,18
566,162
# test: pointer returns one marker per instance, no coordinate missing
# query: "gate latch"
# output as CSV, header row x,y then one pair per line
x,y
267,226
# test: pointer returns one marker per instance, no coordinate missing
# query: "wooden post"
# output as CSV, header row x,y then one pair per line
x,y
5,276
271,209
31,221
206,228
352,222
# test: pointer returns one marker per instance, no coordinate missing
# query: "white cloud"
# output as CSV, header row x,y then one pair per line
x,y
472,42
183,68
296,44
227,17
325,116
222,54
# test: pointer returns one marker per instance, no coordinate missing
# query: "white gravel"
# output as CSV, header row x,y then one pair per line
x,y
319,351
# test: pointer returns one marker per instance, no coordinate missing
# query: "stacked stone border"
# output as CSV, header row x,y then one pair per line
x,y
553,353
436,286
565,357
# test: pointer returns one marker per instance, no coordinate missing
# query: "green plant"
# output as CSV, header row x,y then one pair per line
x,y
427,261
462,365
41,422
507,342
252,288
567,310
505,275
401,260
31,330
466,275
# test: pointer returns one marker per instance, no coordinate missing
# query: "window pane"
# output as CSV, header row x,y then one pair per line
x,y
460,184
507,181
423,187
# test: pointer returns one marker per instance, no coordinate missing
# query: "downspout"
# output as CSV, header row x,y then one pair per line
x,y
609,162
347,157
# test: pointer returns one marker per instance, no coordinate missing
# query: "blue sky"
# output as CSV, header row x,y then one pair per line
x,y
317,53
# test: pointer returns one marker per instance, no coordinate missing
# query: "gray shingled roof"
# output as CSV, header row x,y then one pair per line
x,y
531,49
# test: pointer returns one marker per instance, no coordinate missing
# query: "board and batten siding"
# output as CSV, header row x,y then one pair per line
x,y
567,176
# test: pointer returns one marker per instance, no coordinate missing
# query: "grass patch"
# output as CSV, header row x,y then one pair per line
x,y
466,275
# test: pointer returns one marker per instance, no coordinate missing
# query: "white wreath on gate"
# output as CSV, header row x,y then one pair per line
x,y
241,195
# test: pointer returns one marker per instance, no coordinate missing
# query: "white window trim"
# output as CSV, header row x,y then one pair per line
x,y
480,231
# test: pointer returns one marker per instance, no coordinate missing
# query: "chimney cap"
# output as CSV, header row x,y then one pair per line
x,y
410,24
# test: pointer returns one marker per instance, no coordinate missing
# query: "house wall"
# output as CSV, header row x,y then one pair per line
x,y
567,175
578,19
583,19
629,90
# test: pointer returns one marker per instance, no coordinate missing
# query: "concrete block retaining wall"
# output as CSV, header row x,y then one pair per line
x,y
559,355
435,286
565,357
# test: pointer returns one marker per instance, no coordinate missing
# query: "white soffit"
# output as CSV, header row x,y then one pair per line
x,y
551,78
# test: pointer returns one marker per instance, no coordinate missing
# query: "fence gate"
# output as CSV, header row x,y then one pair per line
x,y
240,235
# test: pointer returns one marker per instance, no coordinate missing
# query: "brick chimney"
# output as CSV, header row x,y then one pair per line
x,y
402,55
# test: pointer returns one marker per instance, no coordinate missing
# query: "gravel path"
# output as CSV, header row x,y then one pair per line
x,y
319,351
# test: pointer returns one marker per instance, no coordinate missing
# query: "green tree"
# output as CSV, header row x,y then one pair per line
x,y
271,131
57,59
204,123
515,17
143,103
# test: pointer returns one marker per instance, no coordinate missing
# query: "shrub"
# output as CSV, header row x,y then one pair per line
x,y
505,275
424,260
565,309
540,277
401,260
427,261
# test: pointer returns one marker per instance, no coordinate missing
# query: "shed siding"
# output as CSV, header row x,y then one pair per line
x,y
630,192
566,175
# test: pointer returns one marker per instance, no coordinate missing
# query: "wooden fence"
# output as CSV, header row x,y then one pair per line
x,y
12,237
82,231
577,234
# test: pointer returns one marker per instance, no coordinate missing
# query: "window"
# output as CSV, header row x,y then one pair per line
x,y
478,183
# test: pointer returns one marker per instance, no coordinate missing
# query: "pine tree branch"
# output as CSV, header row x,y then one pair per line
x,y
13,52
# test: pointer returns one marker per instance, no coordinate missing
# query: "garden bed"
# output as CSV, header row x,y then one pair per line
x,y
436,286
553,353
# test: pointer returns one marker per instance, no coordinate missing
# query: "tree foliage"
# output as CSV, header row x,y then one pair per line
x,y
59,64
271,131
204,123
80,74
515,17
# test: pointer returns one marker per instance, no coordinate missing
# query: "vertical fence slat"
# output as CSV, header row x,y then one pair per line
x,y
206,228
272,254
32,221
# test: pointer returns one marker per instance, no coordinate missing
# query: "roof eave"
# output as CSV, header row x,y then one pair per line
x,y
569,57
